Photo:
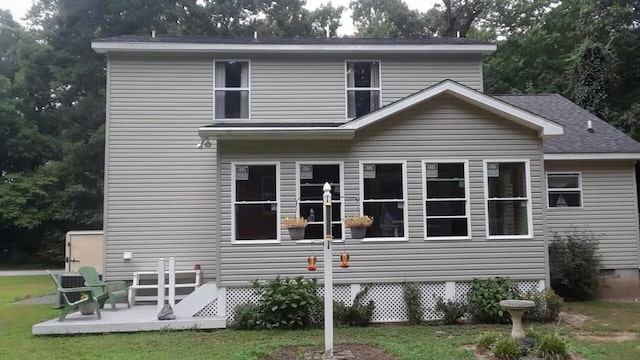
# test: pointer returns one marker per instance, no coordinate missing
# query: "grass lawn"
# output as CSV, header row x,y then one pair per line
x,y
406,342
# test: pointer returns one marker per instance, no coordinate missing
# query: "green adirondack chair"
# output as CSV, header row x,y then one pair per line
x,y
71,306
105,291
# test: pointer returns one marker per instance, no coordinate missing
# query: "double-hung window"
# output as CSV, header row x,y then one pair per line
x,y
383,194
255,202
564,189
311,179
232,90
446,199
508,199
363,87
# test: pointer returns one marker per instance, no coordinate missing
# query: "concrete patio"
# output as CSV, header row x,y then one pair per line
x,y
138,318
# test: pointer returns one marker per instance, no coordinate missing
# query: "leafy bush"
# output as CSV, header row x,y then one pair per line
x,y
507,348
452,311
554,348
548,305
575,264
484,299
486,340
248,317
287,303
411,295
358,314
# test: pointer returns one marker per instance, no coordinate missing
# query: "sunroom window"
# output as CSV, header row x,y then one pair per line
x,y
446,200
231,90
564,189
383,198
363,87
255,202
508,207
312,178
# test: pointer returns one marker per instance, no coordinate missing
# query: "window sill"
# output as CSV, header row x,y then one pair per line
x,y
402,239
447,238
254,242
231,119
510,237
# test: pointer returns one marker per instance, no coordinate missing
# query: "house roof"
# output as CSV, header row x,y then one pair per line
x,y
605,142
213,44
231,130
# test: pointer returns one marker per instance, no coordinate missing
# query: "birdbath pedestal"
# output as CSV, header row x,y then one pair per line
x,y
516,308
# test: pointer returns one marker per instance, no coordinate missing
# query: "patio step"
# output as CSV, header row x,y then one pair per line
x,y
197,300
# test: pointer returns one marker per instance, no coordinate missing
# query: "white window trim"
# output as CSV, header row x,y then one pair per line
x,y
527,169
466,194
233,89
347,88
579,188
404,194
233,204
342,200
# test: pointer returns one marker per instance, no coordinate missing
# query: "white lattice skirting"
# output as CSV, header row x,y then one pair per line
x,y
388,298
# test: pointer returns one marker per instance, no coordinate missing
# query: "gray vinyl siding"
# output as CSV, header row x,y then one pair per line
x,y
441,128
160,190
609,209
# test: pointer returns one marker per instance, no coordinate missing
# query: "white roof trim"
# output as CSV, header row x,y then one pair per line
x,y
593,156
139,46
276,133
545,127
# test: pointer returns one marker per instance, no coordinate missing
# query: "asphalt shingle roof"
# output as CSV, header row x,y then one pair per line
x,y
202,39
576,139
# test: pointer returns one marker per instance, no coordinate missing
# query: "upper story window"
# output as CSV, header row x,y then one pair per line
x,y
363,87
383,194
564,189
255,203
232,90
446,200
508,198
311,179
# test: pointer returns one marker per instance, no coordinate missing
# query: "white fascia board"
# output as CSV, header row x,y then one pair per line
x,y
276,133
545,127
593,156
167,47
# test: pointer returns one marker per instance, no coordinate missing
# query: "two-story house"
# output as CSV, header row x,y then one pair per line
x,y
211,141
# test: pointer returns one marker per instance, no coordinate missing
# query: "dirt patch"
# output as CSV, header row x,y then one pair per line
x,y
575,320
480,355
359,351
613,337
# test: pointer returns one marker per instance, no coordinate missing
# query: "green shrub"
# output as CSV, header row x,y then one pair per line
x,y
248,317
553,347
534,334
575,264
548,305
507,348
358,314
411,295
483,301
486,340
452,311
287,303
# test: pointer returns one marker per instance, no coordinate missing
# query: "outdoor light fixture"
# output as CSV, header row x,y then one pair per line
x,y
207,143
199,145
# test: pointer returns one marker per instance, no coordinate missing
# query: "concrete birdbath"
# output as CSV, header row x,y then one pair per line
x,y
516,308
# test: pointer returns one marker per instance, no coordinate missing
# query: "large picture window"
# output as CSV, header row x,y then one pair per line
x,y
564,189
311,179
363,87
446,200
383,194
508,198
255,202
231,90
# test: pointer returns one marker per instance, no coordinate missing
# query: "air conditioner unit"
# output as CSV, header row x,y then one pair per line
x,y
70,280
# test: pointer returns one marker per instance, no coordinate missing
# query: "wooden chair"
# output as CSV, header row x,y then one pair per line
x,y
71,306
104,291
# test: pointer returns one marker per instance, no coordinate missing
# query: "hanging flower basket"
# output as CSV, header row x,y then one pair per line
x,y
296,227
358,225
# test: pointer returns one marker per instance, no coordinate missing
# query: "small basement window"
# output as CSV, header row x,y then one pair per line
x,y
564,189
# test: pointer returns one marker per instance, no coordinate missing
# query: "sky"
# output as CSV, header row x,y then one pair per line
x,y
19,9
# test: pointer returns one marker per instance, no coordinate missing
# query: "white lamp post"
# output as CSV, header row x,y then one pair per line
x,y
328,274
